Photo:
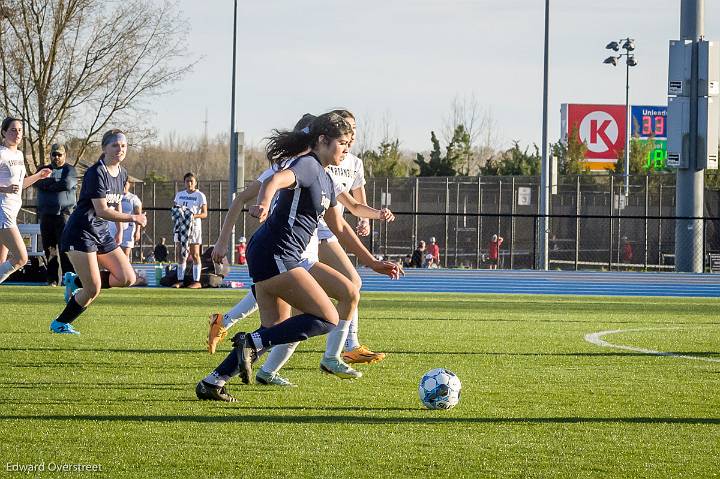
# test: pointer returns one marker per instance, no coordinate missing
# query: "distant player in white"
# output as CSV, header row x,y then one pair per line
x,y
194,199
12,182
129,232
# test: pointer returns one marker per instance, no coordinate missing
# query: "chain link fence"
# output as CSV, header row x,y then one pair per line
x,y
593,225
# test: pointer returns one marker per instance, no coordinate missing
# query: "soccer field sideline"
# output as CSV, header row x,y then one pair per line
x,y
586,283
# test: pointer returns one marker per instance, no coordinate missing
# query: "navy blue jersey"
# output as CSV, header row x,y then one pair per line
x,y
297,210
97,183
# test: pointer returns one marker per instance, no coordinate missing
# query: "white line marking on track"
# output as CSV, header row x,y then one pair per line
x,y
595,338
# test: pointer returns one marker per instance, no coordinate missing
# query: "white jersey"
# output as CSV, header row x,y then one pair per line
x,y
128,203
311,251
347,176
194,201
12,172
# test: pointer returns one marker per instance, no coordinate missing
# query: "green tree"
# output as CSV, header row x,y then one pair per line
x,y
639,154
386,160
515,162
571,154
439,164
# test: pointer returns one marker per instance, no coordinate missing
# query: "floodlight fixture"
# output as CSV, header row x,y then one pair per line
x,y
611,61
631,61
615,46
629,44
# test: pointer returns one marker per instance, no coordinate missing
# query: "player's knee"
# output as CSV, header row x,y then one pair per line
x,y
331,316
22,259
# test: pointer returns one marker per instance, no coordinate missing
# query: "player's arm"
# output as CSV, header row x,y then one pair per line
x,y
363,224
349,240
137,210
362,210
104,211
39,175
221,245
281,179
203,212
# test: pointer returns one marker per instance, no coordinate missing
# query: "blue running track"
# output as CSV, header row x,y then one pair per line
x,y
526,282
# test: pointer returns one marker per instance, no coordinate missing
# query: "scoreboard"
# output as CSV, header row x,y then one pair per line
x,y
649,124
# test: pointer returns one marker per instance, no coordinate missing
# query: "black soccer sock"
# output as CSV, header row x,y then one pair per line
x,y
77,281
230,366
71,312
296,328
105,280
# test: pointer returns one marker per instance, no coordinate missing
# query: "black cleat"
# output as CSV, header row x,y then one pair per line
x,y
208,392
246,355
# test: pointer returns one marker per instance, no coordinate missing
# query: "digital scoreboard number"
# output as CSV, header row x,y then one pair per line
x,y
649,123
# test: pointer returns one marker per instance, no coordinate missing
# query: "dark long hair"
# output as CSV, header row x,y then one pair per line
x,y
6,124
284,144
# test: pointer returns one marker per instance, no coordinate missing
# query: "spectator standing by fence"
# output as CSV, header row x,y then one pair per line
x,y
240,251
56,201
130,232
418,256
161,251
434,250
494,251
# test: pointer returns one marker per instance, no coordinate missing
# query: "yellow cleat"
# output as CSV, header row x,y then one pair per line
x,y
217,332
362,355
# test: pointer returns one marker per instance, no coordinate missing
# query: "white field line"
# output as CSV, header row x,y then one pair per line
x,y
596,338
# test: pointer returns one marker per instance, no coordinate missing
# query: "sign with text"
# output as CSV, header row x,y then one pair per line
x,y
601,127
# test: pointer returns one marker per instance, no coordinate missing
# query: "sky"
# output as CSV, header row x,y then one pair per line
x,y
400,64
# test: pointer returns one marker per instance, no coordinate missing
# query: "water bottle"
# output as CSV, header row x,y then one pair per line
x,y
158,274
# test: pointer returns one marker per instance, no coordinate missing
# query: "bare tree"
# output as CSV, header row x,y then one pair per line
x,y
480,125
70,68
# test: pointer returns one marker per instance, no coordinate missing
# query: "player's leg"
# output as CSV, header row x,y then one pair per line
x,y
120,273
278,356
347,295
295,287
181,264
197,265
87,270
3,253
50,242
11,239
221,323
332,254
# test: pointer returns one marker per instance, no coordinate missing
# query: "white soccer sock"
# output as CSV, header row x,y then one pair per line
x,y
196,272
246,307
181,271
336,339
352,340
278,356
6,269
216,379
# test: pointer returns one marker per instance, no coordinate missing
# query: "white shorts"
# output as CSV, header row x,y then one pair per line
x,y
195,237
324,234
128,234
8,217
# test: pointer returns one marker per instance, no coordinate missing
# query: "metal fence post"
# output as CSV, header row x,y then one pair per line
x,y
457,220
660,188
610,221
578,200
647,211
512,220
416,202
479,222
447,210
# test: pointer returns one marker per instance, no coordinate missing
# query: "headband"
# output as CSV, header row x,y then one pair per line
x,y
116,138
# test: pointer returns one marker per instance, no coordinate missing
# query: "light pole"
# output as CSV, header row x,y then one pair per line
x,y
627,44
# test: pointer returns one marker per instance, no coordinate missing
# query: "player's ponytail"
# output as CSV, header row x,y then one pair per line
x,y
285,144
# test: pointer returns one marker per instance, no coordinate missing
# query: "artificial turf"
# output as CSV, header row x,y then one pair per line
x,y
537,400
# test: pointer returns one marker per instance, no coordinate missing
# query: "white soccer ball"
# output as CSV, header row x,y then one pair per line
x,y
439,389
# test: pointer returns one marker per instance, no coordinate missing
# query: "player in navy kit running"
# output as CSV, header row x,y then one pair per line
x,y
305,192
86,237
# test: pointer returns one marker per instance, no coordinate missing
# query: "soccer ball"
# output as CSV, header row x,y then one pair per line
x,y
439,389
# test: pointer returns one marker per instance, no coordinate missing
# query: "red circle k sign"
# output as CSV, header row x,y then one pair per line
x,y
600,127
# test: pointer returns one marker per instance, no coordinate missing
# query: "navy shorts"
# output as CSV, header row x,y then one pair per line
x,y
264,262
87,240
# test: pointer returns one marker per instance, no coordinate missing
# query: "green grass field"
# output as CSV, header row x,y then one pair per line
x,y
537,400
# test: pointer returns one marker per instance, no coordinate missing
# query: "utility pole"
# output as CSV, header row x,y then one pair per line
x,y
689,191
233,170
544,221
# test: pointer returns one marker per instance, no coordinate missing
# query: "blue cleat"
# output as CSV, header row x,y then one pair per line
x,y
70,286
62,328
